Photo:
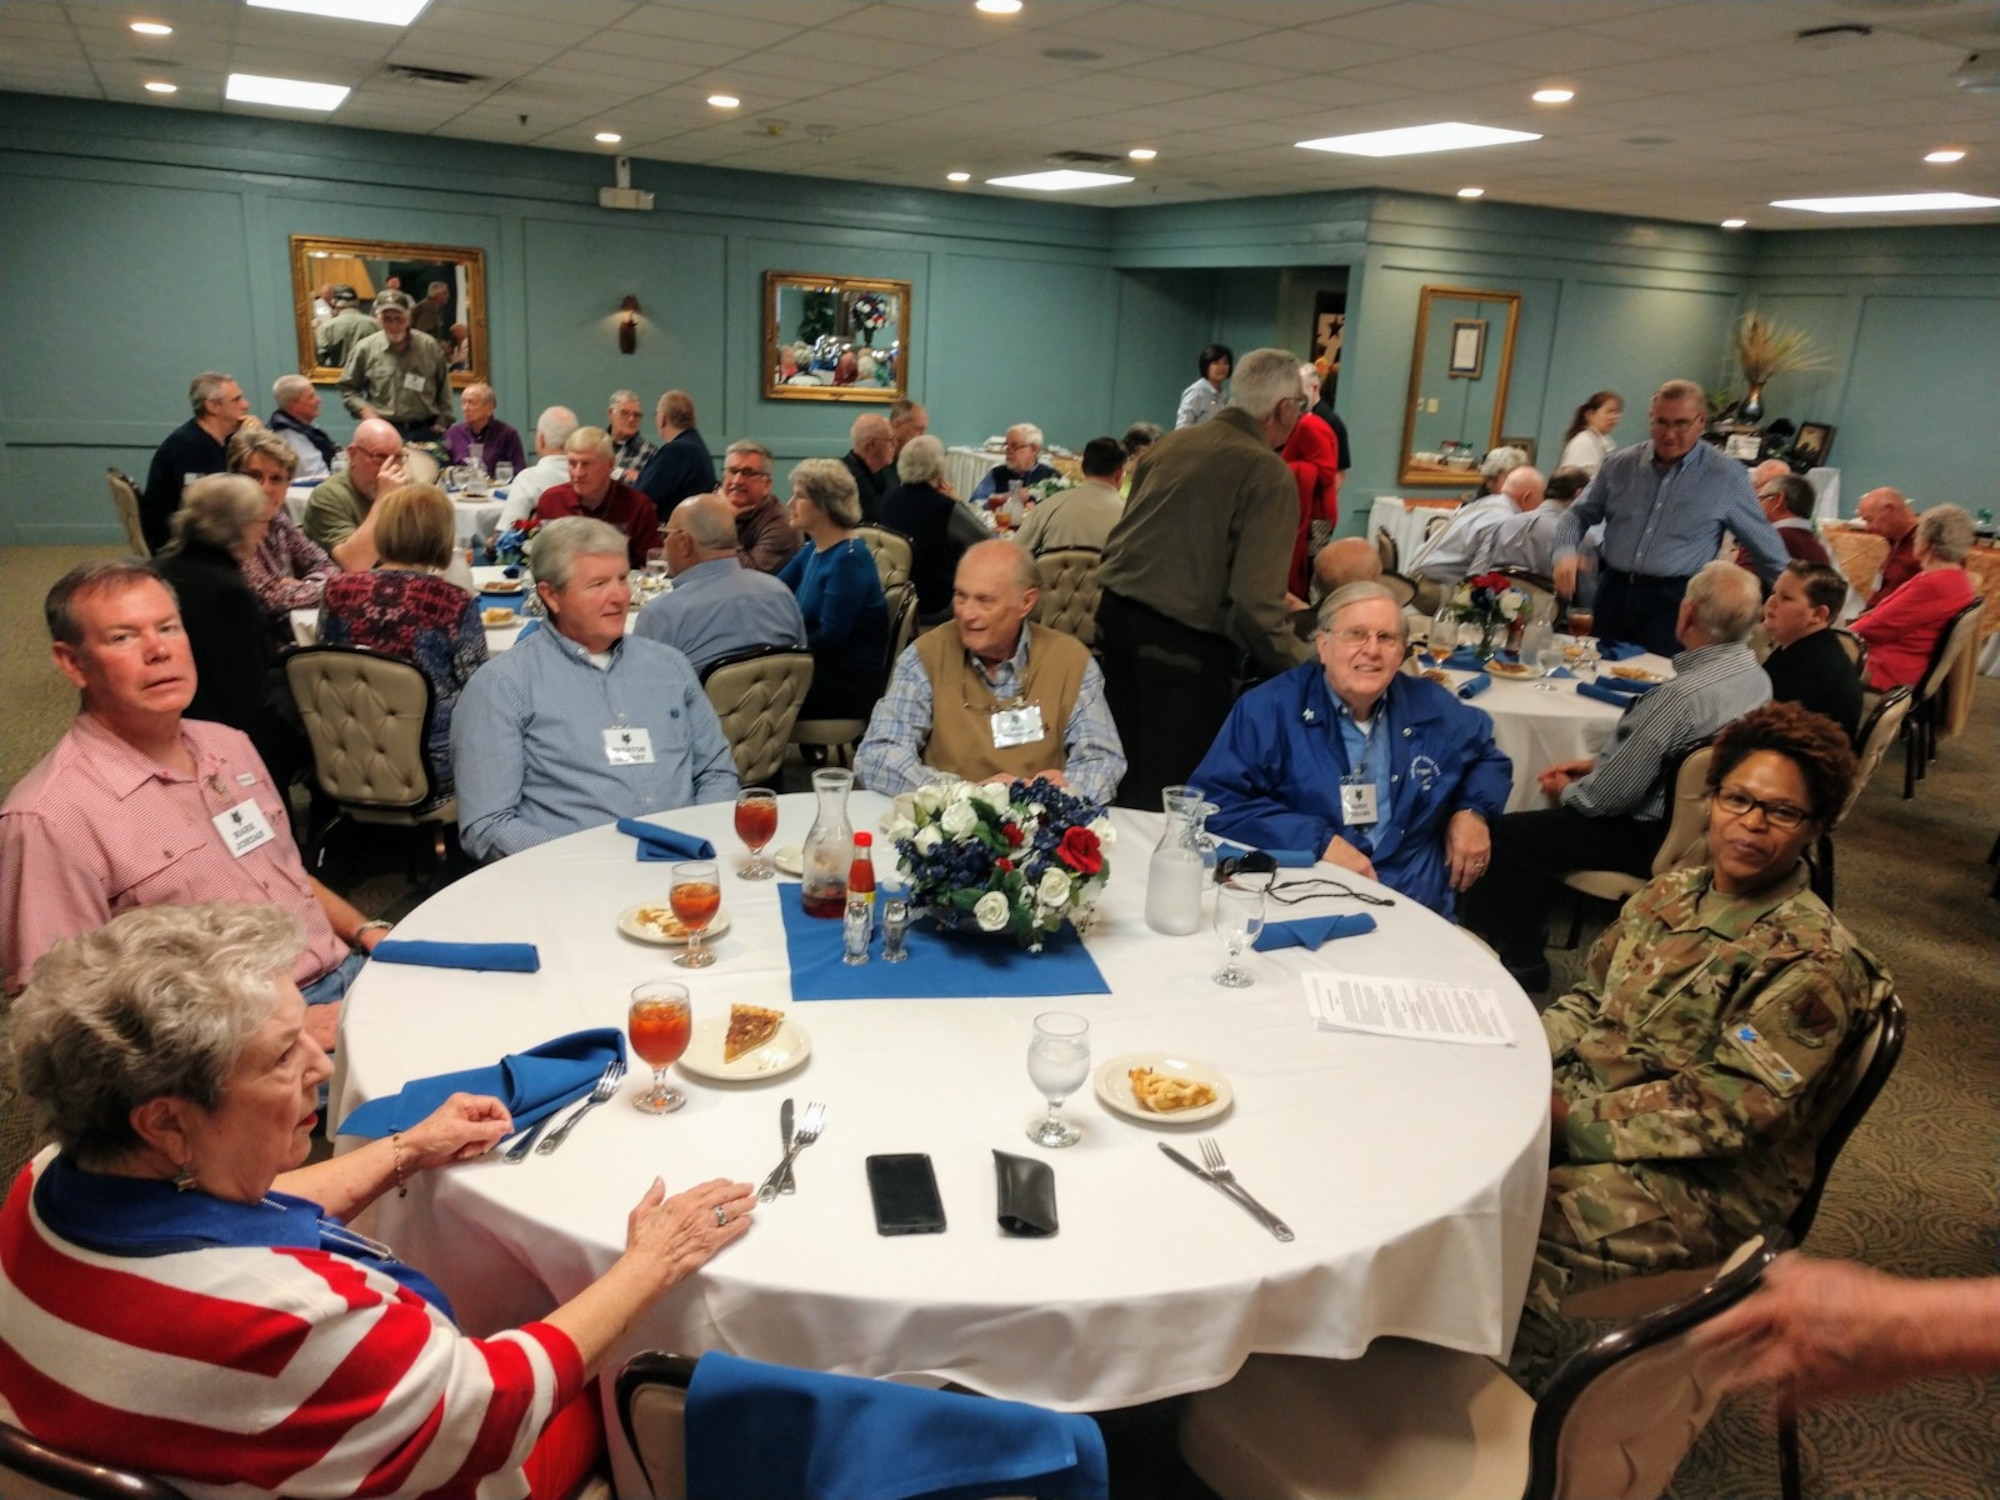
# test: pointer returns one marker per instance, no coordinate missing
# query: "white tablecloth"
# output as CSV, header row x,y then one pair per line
x,y
474,517
1412,1172
965,467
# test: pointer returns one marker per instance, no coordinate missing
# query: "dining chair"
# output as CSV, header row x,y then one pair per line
x,y
1684,843
891,551
125,498
757,694
1854,646
1386,548
1935,703
31,1469
1409,1420
1404,589
1069,591
368,719
420,466
836,738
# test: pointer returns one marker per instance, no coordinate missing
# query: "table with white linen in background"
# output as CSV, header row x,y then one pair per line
x,y
1408,520
305,622
1412,1172
470,516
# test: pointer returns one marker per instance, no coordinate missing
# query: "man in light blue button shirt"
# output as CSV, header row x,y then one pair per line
x,y
717,607
1665,504
577,725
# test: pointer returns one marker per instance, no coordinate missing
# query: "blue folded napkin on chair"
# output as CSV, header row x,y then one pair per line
x,y
657,843
1288,859
1310,932
758,1429
1619,650
532,1084
941,965
507,958
1620,696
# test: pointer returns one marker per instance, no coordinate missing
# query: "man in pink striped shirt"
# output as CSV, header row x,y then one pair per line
x,y
136,806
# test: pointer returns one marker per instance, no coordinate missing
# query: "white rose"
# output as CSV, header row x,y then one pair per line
x,y
931,796
1054,888
928,838
959,819
991,912
1510,604
1462,598
898,826
993,794
1106,834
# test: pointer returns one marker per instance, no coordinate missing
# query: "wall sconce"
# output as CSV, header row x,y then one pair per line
x,y
628,326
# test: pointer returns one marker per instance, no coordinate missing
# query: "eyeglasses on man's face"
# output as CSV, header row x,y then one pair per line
x,y
739,472
1738,803
1354,635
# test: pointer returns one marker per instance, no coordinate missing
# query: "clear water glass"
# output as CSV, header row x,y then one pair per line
x,y
1239,917
503,474
1058,1065
1550,660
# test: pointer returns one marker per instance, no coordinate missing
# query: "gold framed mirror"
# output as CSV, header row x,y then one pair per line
x,y
447,283
1459,370
835,338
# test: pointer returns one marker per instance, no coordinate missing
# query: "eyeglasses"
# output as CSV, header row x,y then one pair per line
x,y
741,473
1686,424
380,458
1738,803
1351,636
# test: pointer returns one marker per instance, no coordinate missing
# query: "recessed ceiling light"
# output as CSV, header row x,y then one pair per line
x,y
1734,223
286,93
383,12
958,177
1553,96
1063,180
997,7
1944,158
1472,192
607,137
1142,153
152,28
1450,135
1888,203
157,86
724,101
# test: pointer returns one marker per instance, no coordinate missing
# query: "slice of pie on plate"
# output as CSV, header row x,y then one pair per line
x,y
1164,1094
750,1027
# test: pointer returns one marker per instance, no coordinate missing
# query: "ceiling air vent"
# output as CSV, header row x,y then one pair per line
x,y
441,77
1085,158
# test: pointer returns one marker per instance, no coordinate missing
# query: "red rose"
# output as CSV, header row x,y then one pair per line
x,y
1013,833
1494,581
1003,863
1080,850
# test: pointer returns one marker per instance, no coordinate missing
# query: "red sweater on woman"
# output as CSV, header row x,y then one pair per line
x,y
1902,630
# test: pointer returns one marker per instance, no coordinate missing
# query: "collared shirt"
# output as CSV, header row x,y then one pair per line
x,y
622,507
528,750
315,449
1450,555
1199,402
679,467
718,608
99,827
525,493
1370,756
411,384
629,457
1000,477
1711,686
335,510
889,759
1668,523
1079,517
288,570
497,443
1526,541
765,536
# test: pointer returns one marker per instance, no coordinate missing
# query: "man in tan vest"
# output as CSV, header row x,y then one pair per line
x,y
990,697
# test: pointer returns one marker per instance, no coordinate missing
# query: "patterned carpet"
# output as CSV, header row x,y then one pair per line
x,y
1917,1192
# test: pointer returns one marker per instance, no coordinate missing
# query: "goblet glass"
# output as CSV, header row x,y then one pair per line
x,y
1443,637
1059,1065
1550,659
694,895
660,1023
756,825
503,474
1239,917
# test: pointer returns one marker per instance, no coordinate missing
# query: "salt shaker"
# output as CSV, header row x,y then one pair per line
x,y
895,924
856,928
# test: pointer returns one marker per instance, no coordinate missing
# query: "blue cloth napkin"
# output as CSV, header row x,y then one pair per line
x,y
532,1084
756,1429
1473,686
941,965
1563,672
1464,659
657,843
1618,697
1619,650
1310,932
503,601
1632,687
507,958
1288,859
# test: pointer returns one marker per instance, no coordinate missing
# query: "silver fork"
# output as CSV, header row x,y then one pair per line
x,y
1211,1157
614,1074
810,1125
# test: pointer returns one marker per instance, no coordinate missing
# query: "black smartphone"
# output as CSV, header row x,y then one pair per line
x,y
905,1191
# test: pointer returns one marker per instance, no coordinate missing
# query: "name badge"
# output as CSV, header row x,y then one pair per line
x,y
628,747
1357,801
243,828
413,382
1017,726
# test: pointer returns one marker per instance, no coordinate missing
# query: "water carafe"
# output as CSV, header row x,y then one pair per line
x,y
1174,876
829,848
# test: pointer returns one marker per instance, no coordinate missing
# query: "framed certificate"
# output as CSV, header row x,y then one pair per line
x,y
1468,348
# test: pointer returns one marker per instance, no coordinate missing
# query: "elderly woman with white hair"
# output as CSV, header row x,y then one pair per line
x,y
1903,628
939,528
184,1296
222,522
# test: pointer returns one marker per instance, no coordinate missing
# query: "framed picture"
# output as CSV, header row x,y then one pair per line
x,y
1468,348
334,280
1811,446
1526,445
835,338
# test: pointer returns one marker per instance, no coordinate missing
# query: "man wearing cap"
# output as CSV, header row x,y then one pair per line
x,y
399,375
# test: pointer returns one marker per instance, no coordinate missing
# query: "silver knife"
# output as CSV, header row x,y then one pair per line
x,y
1242,1200
785,1136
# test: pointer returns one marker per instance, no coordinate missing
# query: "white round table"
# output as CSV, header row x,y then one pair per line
x,y
1412,1171
472,516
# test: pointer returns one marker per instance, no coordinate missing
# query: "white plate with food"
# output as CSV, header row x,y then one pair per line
x,y
790,860
499,617
1513,670
768,1044
658,924
1160,1089
504,586
1631,674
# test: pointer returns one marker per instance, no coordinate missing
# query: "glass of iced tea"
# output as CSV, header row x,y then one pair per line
x,y
694,896
660,1023
756,825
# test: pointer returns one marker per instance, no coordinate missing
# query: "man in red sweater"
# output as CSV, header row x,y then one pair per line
x,y
1888,515
592,492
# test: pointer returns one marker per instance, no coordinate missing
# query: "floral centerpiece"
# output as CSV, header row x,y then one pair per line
x,y
1490,602
868,313
1021,858
515,547
1042,489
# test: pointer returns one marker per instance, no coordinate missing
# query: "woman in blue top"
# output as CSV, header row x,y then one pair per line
x,y
840,594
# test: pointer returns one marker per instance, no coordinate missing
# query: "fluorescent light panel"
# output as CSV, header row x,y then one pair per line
x,y
382,12
1413,140
285,93
1065,180
1888,203
158,86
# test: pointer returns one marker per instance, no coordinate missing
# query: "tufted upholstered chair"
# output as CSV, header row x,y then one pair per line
x,y
757,694
891,550
838,737
1069,591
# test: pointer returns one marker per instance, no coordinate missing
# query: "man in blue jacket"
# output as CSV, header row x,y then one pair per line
x,y
1384,774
